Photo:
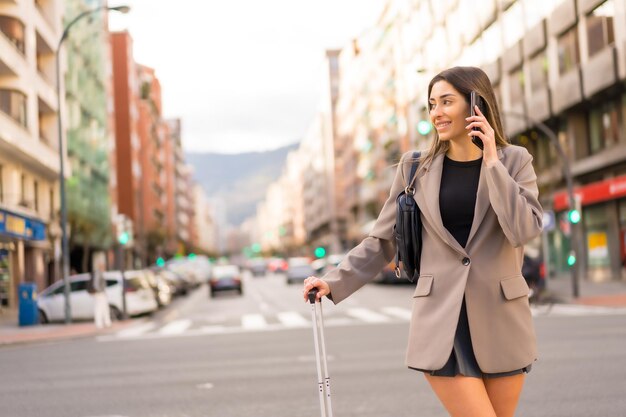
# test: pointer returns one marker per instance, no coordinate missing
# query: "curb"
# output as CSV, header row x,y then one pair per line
x,y
40,334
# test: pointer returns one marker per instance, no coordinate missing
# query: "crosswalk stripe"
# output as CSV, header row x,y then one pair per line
x,y
175,327
401,313
366,315
253,321
292,319
137,330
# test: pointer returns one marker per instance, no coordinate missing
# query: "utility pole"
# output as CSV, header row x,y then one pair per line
x,y
576,232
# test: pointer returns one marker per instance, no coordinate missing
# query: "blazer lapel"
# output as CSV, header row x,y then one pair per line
x,y
428,198
482,202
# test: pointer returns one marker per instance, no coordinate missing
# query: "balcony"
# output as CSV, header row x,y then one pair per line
x,y
539,104
13,30
567,91
600,71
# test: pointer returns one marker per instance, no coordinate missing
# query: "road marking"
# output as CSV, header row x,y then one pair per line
x,y
253,321
136,331
575,310
401,313
175,327
208,385
212,329
367,315
292,319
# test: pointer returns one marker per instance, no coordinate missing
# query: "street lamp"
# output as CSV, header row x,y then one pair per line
x,y
64,243
573,202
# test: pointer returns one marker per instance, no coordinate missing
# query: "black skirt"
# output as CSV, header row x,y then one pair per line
x,y
462,360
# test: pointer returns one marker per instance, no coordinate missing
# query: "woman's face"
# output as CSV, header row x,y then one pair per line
x,y
448,110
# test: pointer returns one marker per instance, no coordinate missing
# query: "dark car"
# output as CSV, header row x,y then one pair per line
x,y
225,278
534,273
299,272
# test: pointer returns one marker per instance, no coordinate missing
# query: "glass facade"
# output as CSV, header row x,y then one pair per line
x,y
604,126
569,57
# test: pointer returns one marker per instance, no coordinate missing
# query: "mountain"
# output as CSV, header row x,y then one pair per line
x,y
241,180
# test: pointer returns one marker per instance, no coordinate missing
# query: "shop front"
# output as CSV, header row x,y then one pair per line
x,y
23,250
603,225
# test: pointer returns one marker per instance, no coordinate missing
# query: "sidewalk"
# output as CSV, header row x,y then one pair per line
x,y
11,333
605,294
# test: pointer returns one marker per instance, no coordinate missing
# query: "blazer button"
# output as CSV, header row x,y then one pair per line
x,y
466,261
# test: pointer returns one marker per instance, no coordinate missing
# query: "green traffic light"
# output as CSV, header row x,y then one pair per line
x,y
160,262
571,259
574,216
424,127
320,252
191,256
123,238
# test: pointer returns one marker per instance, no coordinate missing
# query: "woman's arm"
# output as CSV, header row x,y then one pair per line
x,y
514,198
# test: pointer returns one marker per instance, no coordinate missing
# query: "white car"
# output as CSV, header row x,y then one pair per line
x,y
139,297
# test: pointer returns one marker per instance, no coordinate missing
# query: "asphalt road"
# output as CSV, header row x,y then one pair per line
x,y
250,356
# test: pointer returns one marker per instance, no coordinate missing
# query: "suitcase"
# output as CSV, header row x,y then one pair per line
x,y
323,385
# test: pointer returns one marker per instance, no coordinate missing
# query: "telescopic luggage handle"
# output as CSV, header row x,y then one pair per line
x,y
320,354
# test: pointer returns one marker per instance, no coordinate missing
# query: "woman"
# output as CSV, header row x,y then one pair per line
x,y
471,330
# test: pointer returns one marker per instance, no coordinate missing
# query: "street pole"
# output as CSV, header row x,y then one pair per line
x,y
65,256
576,233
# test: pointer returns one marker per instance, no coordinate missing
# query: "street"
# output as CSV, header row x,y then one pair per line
x,y
252,356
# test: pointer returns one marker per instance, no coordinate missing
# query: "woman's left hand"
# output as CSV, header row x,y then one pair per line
x,y
486,134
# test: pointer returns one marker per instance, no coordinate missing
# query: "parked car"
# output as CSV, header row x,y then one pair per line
x,y
333,261
225,278
160,288
139,298
178,286
299,272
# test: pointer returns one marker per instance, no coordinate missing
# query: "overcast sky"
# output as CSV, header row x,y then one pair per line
x,y
243,75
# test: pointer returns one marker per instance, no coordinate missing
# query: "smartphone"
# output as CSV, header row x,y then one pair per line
x,y
476,100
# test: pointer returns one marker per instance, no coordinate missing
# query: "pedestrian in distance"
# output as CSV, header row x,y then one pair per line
x,y
102,315
471,332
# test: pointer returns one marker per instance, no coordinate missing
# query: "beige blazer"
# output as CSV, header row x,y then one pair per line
x,y
487,271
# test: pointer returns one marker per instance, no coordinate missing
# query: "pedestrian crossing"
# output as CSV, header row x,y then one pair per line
x,y
286,320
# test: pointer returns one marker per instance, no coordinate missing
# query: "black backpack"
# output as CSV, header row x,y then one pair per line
x,y
408,229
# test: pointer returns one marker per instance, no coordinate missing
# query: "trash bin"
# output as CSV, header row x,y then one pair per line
x,y
28,314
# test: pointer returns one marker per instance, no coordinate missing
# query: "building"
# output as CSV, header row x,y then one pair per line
x,y
29,152
89,135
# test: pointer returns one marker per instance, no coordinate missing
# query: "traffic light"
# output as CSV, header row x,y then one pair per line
x,y
571,259
123,238
124,230
320,252
191,256
424,127
160,262
574,214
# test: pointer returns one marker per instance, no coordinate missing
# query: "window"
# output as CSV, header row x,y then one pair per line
x,y
568,51
78,286
13,29
52,215
516,86
600,27
604,126
13,103
23,189
538,69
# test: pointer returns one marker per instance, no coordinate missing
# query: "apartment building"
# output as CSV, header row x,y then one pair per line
x,y
89,135
29,155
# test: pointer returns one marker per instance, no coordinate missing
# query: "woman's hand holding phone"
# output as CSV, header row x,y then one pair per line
x,y
481,131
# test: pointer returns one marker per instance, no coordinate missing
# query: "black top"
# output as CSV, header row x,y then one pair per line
x,y
457,196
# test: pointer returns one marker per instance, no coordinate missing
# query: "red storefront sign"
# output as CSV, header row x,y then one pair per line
x,y
593,193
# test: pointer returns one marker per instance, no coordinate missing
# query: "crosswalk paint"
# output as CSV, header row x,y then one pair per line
x,y
253,321
367,315
175,327
401,313
292,319
136,330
